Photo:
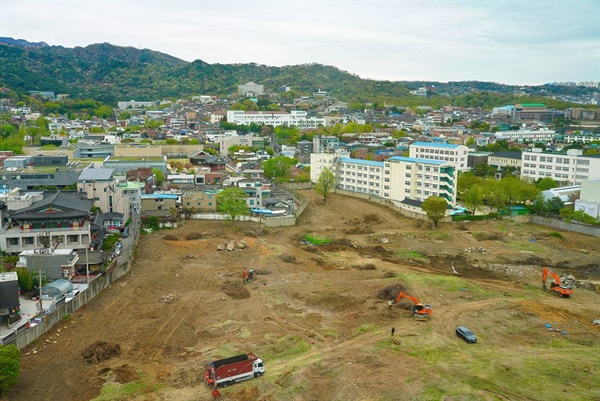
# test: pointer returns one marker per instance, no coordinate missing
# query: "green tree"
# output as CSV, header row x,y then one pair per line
x,y
473,198
470,141
435,208
25,279
10,364
104,111
484,170
232,201
466,180
159,176
325,183
546,183
278,167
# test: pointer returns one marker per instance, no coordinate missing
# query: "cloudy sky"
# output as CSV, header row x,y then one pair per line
x,y
506,41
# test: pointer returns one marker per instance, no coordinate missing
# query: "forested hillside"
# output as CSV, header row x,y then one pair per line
x,y
108,73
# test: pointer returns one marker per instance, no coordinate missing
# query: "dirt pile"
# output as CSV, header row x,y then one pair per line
x,y
390,292
170,237
100,351
121,374
195,235
235,290
189,374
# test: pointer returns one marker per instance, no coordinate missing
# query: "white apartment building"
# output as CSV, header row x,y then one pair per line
x,y
571,168
455,154
418,179
396,179
524,135
297,118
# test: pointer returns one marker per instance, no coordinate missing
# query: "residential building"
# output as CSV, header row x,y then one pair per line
x,y
455,154
305,147
160,205
570,168
217,116
181,179
255,191
133,190
9,298
202,201
99,185
296,118
320,161
53,263
205,176
62,215
325,143
241,140
204,159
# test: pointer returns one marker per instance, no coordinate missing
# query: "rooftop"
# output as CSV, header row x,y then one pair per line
x,y
96,174
360,161
416,160
436,145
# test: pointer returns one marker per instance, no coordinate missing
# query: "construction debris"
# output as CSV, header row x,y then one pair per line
x,y
232,246
100,351
166,299
473,249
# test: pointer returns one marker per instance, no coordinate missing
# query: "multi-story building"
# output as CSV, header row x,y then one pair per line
x,y
39,177
396,179
455,154
132,104
570,168
204,201
320,161
533,112
505,158
241,140
62,215
581,138
161,205
100,185
297,118
527,135
325,143
122,165
250,89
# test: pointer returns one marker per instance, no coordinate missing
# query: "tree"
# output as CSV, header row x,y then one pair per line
x,y
484,170
466,180
471,141
233,202
435,207
278,167
159,176
546,183
325,183
10,364
473,199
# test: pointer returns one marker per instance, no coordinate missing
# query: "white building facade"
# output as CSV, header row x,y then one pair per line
x,y
526,135
296,118
571,168
455,154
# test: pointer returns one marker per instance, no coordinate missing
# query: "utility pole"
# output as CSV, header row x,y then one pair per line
x,y
40,292
87,267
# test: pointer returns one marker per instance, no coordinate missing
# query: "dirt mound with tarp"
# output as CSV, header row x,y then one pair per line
x,y
100,351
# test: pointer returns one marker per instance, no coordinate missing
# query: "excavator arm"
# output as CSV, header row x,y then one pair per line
x,y
419,310
556,287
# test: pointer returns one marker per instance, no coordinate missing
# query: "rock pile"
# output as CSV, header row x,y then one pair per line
x,y
232,246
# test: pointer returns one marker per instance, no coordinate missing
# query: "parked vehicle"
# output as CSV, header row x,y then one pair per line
x,y
466,334
71,295
125,232
118,247
224,372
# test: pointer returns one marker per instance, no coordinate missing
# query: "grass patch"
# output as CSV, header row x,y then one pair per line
x,y
556,234
116,391
440,236
316,239
526,247
365,328
284,347
444,283
408,254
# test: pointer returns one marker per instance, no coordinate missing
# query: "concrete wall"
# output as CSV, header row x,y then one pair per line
x,y
562,225
24,336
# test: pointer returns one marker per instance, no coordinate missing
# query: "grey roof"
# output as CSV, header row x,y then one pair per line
x,y
69,205
508,154
96,174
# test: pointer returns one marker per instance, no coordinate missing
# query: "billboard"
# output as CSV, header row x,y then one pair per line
x,y
587,207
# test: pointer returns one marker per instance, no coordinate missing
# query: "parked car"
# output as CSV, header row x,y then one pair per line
x,y
125,232
118,247
466,334
71,295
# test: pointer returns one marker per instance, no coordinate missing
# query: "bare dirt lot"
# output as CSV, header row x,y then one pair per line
x,y
315,316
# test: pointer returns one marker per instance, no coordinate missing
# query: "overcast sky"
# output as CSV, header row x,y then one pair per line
x,y
513,42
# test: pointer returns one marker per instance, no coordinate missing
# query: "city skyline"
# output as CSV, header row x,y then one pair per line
x,y
509,42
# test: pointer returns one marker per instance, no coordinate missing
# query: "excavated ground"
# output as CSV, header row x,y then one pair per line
x,y
315,314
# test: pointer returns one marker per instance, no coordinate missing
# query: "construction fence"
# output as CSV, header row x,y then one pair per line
x,y
25,335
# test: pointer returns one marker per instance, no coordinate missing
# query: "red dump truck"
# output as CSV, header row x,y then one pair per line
x,y
234,369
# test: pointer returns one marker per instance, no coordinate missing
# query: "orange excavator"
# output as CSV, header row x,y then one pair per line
x,y
420,311
556,286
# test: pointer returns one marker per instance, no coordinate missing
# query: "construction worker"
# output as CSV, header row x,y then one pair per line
x,y
393,331
246,276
